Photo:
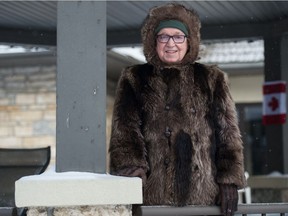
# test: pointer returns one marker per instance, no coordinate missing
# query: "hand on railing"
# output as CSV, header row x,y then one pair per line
x,y
228,199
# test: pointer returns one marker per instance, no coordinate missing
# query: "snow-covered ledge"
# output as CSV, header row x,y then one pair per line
x,y
82,193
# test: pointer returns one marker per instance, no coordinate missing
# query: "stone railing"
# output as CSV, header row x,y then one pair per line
x,y
77,193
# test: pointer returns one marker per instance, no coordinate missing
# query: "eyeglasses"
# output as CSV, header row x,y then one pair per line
x,y
178,39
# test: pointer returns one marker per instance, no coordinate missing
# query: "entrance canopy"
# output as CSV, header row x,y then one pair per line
x,y
35,22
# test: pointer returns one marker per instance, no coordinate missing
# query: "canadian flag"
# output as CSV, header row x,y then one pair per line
x,y
274,104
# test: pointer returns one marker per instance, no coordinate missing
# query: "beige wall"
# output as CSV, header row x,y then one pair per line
x,y
246,89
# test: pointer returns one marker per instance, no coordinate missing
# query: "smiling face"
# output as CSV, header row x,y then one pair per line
x,y
171,52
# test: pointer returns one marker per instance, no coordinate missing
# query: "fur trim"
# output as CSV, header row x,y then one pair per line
x,y
171,11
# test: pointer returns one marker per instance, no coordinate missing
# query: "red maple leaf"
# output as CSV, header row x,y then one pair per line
x,y
274,103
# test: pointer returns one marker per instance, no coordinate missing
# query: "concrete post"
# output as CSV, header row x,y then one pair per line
x,y
81,86
81,147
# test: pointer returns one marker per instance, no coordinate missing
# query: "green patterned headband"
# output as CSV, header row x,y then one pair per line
x,y
172,24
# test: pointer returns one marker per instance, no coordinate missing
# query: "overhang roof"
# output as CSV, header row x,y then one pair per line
x,y
35,22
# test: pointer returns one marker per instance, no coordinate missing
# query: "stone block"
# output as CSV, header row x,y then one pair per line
x,y
25,99
10,142
27,70
42,85
6,131
43,127
6,71
2,92
4,101
38,107
4,115
101,210
23,131
16,86
26,115
8,109
46,98
42,76
49,69
50,115
15,78
38,141
51,106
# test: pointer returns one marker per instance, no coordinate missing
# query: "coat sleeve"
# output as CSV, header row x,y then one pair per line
x,y
229,146
127,147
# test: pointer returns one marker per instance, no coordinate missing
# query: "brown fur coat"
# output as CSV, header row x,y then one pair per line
x,y
179,124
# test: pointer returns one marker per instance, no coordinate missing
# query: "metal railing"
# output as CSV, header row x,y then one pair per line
x,y
243,209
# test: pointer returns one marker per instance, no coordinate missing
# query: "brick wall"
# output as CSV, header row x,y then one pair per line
x,y
28,107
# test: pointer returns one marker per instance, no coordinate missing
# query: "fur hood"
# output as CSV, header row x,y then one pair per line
x,y
170,11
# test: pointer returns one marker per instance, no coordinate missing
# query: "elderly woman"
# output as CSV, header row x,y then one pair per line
x,y
174,122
